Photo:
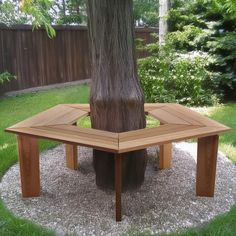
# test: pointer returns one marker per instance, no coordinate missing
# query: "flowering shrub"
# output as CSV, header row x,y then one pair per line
x,y
167,76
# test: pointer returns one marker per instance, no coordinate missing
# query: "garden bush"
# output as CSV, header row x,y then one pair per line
x,y
198,62
6,77
168,76
209,26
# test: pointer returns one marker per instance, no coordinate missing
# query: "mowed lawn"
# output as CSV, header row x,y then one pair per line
x,y
226,114
15,109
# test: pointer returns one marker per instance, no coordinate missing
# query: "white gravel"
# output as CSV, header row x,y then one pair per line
x,y
71,203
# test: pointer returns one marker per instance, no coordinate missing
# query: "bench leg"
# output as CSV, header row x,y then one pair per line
x,y
118,184
71,156
28,153
206,165
165,156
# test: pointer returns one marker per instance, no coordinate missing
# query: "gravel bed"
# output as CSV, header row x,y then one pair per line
x,y
71,203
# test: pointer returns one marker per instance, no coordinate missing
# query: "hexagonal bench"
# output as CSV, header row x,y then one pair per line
x,y
177,123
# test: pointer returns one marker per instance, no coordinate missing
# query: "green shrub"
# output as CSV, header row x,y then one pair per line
x,y
6,77
190,38
224,49
167,76
209,26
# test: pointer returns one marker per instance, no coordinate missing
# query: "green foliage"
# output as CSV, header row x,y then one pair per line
x,y
226,7
46,12
224,47
168,76
40,17
10,14
70,12
209,26
6,77
177,20
43,13
190,38
146,12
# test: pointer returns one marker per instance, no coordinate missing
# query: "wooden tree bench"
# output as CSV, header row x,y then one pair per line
x,y
177,123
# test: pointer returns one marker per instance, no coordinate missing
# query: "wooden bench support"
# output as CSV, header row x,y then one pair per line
x,y
206,165
118,185
28,153
71,156
165,156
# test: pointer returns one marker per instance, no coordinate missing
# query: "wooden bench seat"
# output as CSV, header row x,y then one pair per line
x,y
144,138
177,123
98,139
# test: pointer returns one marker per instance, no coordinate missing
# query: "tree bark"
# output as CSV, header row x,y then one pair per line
x,y
116,99
163,25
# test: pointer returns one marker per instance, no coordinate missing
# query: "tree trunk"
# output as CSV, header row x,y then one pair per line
x,y
163,25
116,99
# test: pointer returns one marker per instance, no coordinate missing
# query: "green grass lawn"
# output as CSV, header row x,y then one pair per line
x,y
226,114
15,109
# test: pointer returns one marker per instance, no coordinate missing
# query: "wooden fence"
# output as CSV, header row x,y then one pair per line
x,y
37,60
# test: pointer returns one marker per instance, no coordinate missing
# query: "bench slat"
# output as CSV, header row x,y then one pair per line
x,y
145,133
151,106
147,106
182,115
59,114
103,136
195,115
84,107
140,143
166,117
59,133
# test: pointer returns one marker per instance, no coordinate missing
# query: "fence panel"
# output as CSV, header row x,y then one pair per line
x,y
37,60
